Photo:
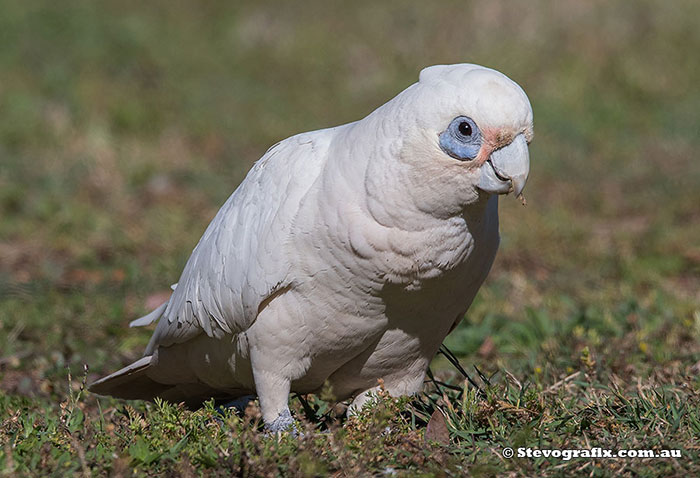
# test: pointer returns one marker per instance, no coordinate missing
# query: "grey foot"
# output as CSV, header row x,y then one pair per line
x,y
239,403
283,423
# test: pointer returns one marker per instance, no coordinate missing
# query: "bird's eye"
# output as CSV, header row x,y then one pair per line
x,y
461,139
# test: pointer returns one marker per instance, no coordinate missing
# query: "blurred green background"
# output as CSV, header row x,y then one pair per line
x,y
125,125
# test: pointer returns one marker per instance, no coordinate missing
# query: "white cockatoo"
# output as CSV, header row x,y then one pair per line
x,y
346,255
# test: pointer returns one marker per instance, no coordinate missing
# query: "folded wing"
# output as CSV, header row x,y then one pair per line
x,y
240,259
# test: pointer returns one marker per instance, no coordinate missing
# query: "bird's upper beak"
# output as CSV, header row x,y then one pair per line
x,y
506,169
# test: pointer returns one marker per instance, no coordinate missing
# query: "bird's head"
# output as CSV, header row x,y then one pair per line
x,y
462,133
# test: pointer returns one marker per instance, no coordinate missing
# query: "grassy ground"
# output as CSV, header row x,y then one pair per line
x,y
124,126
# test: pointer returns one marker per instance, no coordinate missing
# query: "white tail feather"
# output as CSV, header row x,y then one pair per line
x,y
151,317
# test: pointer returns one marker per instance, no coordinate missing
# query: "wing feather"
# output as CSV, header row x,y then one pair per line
x,y
240,259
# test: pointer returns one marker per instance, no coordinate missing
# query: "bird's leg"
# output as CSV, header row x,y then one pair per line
x,y
273,392
240,403
395,386
360,401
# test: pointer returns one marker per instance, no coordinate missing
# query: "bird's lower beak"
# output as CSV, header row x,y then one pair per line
x,y
506,169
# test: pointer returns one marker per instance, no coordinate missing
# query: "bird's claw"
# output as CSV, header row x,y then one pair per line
x,y
283,423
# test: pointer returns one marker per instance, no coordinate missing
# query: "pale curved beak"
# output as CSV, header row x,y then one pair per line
x,y
506,169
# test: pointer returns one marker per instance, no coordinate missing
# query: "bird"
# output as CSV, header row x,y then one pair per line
x,y
345,256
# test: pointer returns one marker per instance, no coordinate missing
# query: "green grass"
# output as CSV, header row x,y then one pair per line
x,y
124,126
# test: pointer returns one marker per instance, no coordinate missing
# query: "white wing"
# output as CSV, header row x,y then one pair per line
x,y
239,261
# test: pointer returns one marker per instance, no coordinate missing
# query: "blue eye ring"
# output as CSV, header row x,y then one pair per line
x,y
462,139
